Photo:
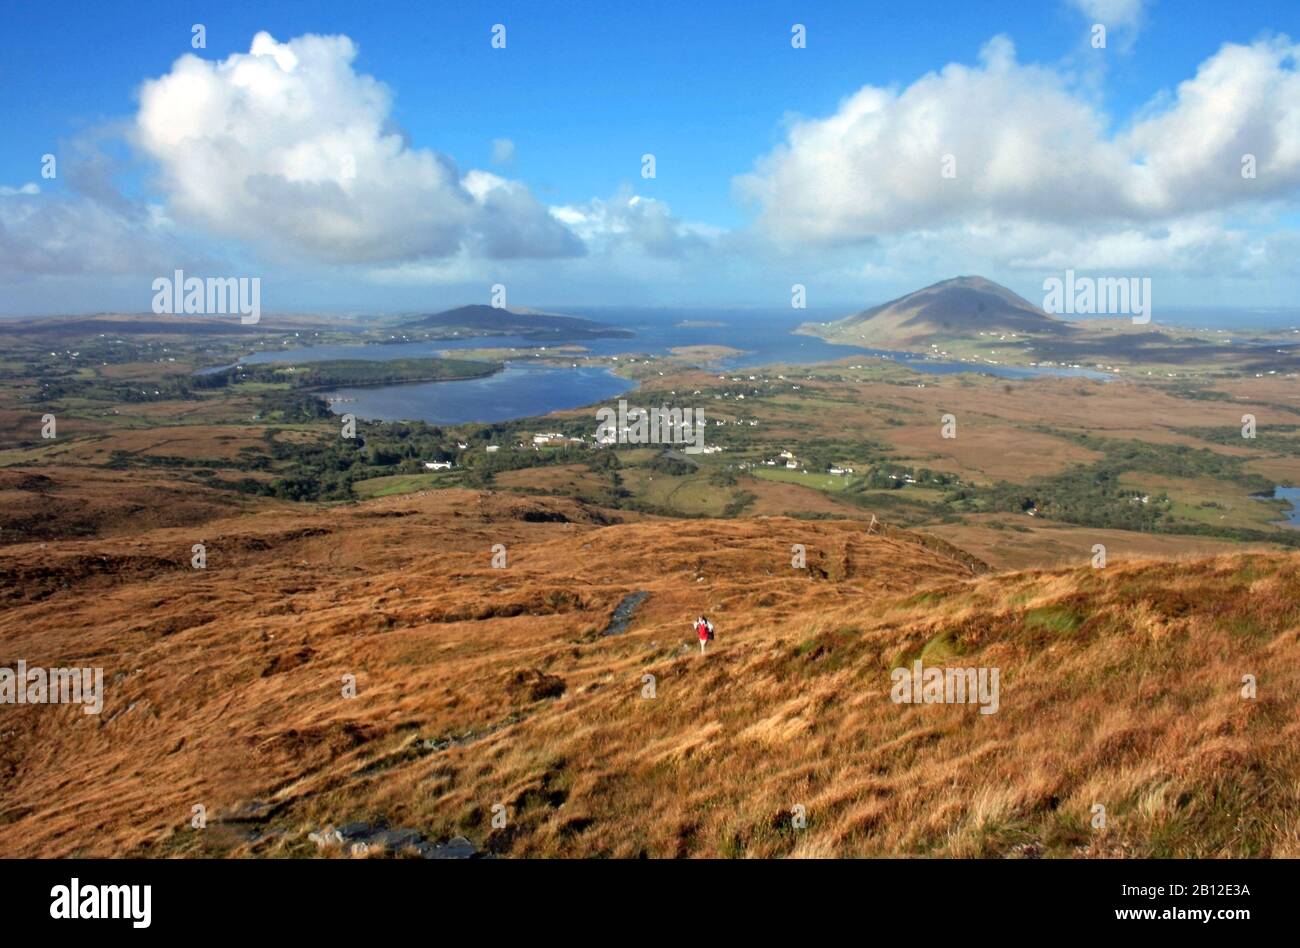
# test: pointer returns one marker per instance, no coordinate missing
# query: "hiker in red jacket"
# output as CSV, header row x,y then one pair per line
x,y
704,629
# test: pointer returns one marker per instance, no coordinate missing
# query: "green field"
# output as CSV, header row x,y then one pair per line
x,y
400,484
818,481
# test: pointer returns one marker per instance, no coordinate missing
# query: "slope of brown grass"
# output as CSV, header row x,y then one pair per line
x,y
55,502
479,686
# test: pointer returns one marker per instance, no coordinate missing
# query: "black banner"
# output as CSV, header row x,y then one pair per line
x,y
920,897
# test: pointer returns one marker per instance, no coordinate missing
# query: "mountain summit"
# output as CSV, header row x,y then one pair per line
x,y
951,309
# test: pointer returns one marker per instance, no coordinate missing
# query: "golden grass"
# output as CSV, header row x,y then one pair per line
x,y
1119,687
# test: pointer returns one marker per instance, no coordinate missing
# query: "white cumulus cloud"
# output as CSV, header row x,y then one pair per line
x,y
629,221
1027,147
289,147
46,236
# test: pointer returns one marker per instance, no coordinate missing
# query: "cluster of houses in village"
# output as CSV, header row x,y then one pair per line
x,y
785,459
790,462
553,439
540,439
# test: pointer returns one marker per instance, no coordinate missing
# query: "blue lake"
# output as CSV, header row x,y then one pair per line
x,y
518,391
1292,496
524,389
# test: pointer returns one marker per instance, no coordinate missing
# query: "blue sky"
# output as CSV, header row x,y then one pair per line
x,y
839,198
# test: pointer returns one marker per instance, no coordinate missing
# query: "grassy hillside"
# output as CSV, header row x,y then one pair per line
x,y
479,686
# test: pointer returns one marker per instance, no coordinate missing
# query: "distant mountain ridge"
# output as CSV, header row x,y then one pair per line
x,y
483,319
957,308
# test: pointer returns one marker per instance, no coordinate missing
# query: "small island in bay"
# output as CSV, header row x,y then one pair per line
x,y
705,353
331,373
483,320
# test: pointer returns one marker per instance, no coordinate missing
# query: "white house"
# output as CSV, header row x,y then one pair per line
x,y
792,465
437,465
492,448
